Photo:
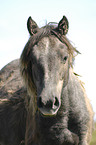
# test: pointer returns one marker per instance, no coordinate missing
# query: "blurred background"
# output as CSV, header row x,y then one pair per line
x,y
82,28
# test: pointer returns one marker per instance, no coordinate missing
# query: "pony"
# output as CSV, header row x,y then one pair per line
x,y
51,106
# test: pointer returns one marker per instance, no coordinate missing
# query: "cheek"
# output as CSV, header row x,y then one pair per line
x,y
66,67
64,71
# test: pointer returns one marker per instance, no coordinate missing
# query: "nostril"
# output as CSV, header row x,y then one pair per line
x,y
39,102
56,103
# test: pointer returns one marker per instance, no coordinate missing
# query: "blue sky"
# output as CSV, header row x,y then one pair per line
x,y
82,30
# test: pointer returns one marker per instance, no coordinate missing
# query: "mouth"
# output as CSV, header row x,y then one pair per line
x,y
46,112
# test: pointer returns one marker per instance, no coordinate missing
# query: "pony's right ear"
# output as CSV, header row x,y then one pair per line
x,y
32,26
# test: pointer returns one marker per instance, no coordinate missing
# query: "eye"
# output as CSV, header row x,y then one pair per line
x,y
65,59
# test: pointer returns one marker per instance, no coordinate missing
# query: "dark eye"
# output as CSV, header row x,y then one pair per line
x,y
65,58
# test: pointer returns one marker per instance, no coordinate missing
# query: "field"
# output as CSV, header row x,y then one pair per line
x,y
93,142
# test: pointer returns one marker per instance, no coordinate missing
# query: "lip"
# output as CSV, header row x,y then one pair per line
x,y
47,112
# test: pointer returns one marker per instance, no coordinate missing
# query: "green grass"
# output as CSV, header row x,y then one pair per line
x,y
93,141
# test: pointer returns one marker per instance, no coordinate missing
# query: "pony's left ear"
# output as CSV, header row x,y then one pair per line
x,y
32,26
63,26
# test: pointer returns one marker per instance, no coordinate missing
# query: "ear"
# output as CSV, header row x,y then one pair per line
x,y
32,26
63,26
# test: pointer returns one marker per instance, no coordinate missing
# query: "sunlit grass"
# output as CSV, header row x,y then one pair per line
x,y
93,142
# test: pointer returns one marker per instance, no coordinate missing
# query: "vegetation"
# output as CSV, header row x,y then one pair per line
x,y
93,142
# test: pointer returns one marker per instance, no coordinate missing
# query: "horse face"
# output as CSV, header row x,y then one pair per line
x,y
50,67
